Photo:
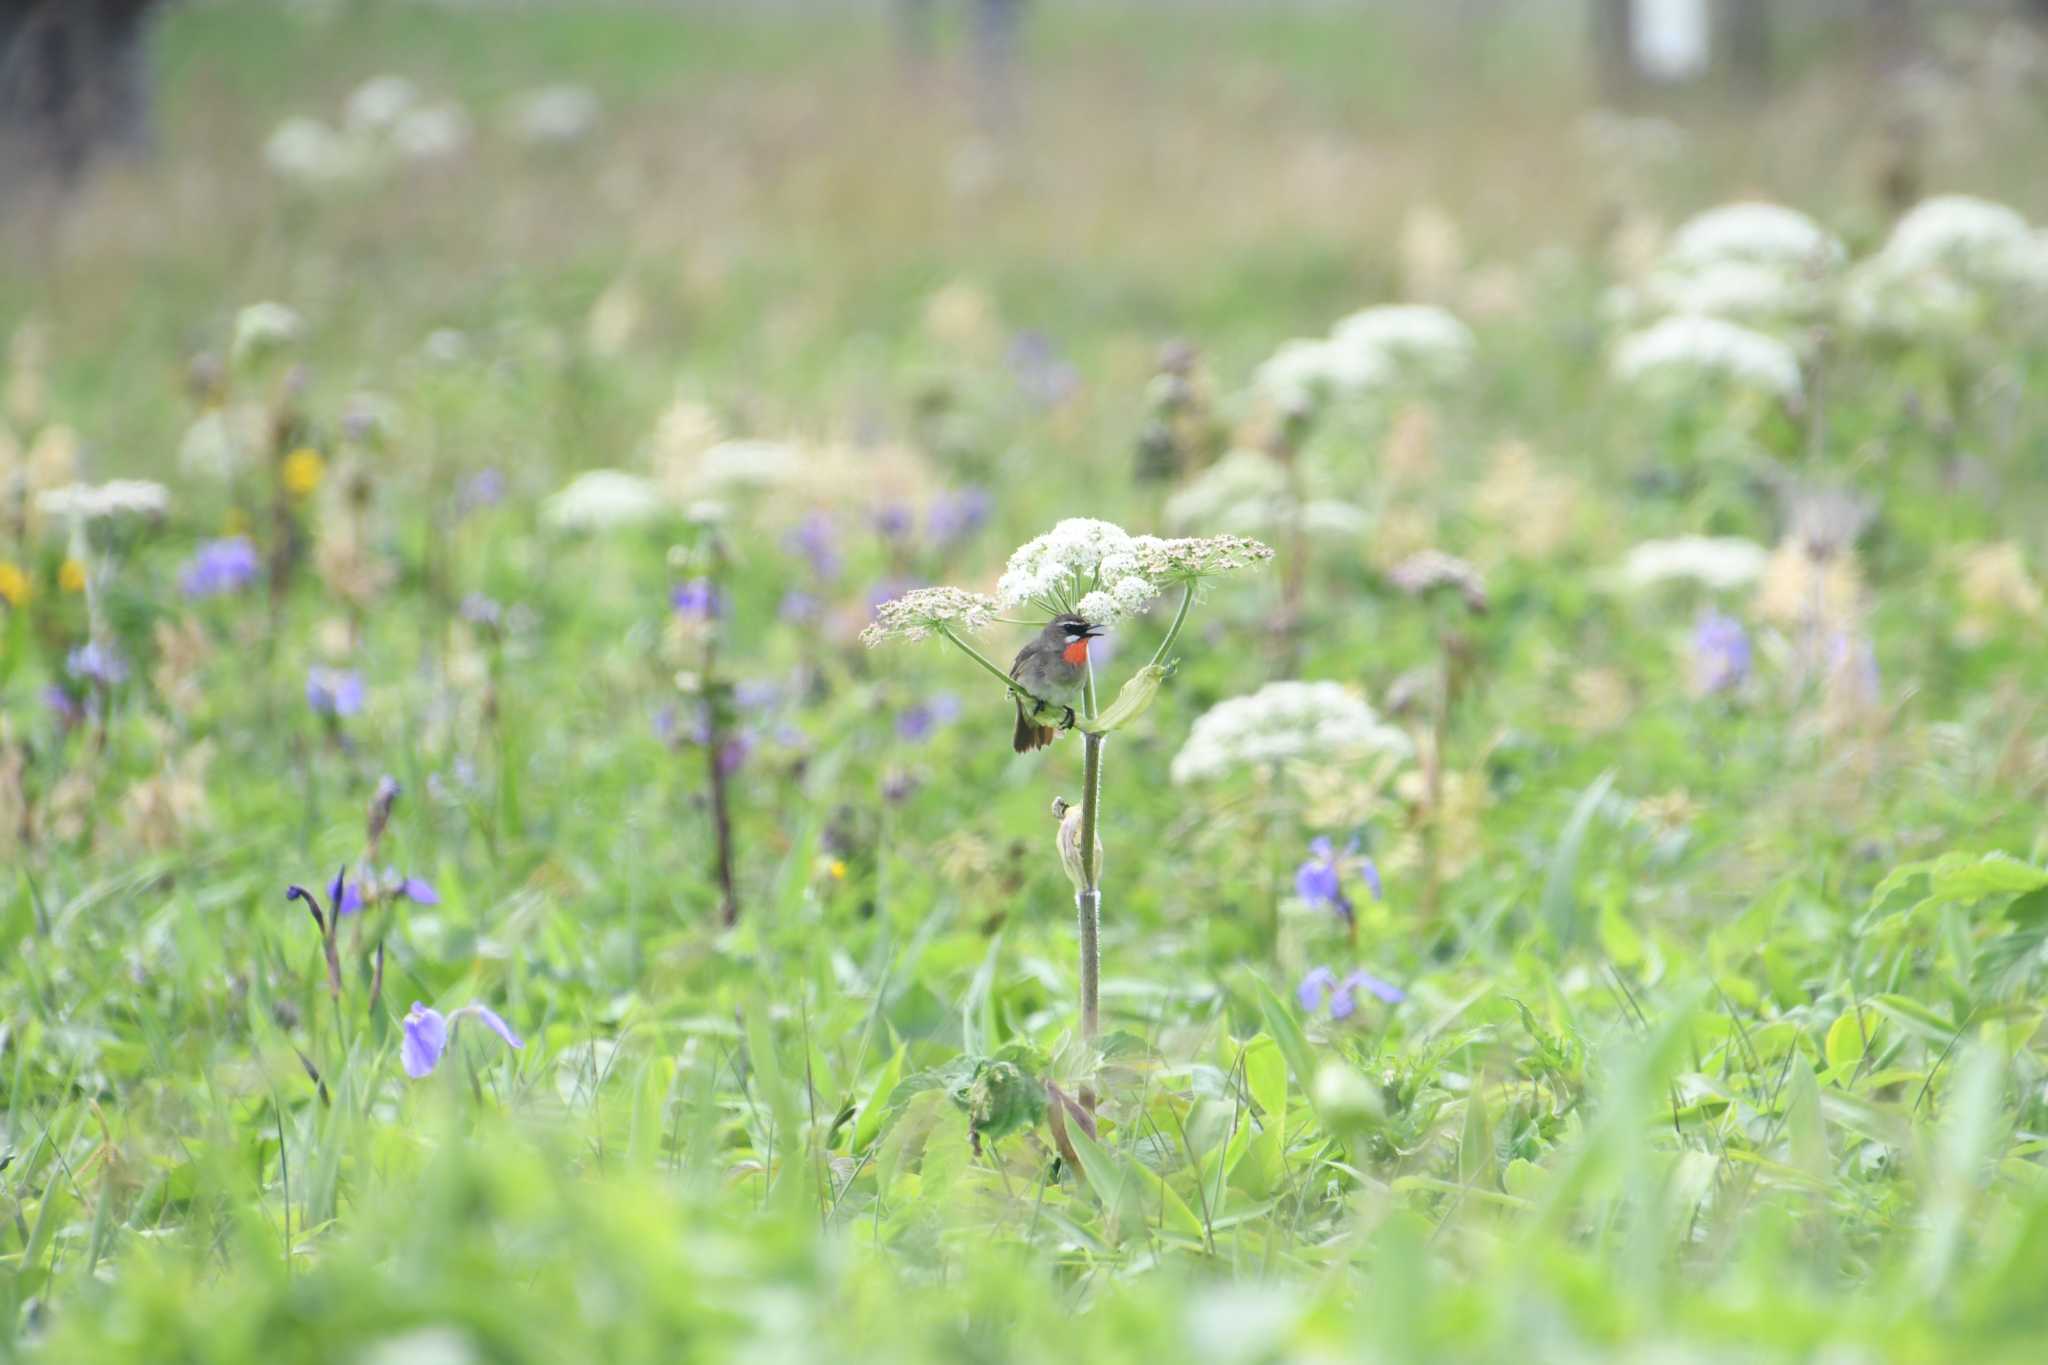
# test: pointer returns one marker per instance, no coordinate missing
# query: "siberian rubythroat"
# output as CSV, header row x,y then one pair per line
x,y
1053,668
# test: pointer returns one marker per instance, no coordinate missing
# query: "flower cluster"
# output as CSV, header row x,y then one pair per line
x,y
1759,233
1251,490
922,612
1282,721
1712,346
1427,571
220,567
1366,350
1720,654
262,329
1081,565
1321,987
1189,559
1720,562
99,501
384,119
602,500
1946,263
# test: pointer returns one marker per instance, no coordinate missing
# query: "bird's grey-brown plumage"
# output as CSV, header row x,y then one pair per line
x,y
1053,668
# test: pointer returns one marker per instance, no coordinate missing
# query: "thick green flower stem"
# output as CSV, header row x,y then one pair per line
x,y
1180,618
1088,902
971,652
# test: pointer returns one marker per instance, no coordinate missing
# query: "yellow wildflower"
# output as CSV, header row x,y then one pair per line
x,y
13,584
838,869
71,576
303,470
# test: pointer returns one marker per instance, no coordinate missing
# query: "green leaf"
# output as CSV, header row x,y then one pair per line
x,y
869,1124
1288,1036
1130,1190
1849,1038
1560,903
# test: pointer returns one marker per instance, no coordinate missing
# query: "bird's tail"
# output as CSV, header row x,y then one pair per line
x,y
1030,735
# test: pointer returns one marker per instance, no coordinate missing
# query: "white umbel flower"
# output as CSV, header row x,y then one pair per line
x,y
1324,721
1416,335
1081,560
1767,234
731,465
98,501
263,328
602,500
310,152
1746,291
923,612
1303,372
1249,491
1712,346
380,102
1720,562
1975,238
433,133
556,114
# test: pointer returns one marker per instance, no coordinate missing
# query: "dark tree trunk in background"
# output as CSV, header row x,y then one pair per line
x,y
998,36
1613,29
73,85
1747,27
2036,10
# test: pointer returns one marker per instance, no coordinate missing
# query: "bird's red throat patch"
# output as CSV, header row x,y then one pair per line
x,y
1076,653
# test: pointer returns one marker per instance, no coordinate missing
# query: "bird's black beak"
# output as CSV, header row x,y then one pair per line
x,y
1093,632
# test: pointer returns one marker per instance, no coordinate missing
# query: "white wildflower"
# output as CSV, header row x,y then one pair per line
x,y
1766,234
1188,558
731,465
1302,373
1416,334
1976,238
1713,561
1058,568
602,499
433,133
307,150
115,498
378,103
263,328
923,612
1248,490
556,113
1743,290
1881,297
221,441
1712,345
1324,721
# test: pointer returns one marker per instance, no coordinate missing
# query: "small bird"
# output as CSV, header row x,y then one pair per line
x,y
1052,668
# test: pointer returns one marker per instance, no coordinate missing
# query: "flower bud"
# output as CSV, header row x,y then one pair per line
x,y
1069,845
1131,702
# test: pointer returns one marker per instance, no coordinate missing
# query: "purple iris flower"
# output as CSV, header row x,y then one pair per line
x,y
958,515
756,695
664,722
799,607
220,567
1720,653
392,885
1315,988
427,1033
915,724
96,663
1321,986
334,691
817,541
699,598
1320,880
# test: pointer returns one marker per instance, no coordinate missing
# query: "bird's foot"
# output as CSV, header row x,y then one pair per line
x,y
1067,721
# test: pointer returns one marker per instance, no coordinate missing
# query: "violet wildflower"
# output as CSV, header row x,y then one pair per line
x,y
733,754
66,708
1315,988
817,541
698,598
1321,986
1320,880
482,611
96,663
958,515
915,724
428,1031
391,885
334,691
799,608
1046,378
485,488
1720,653
220,567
